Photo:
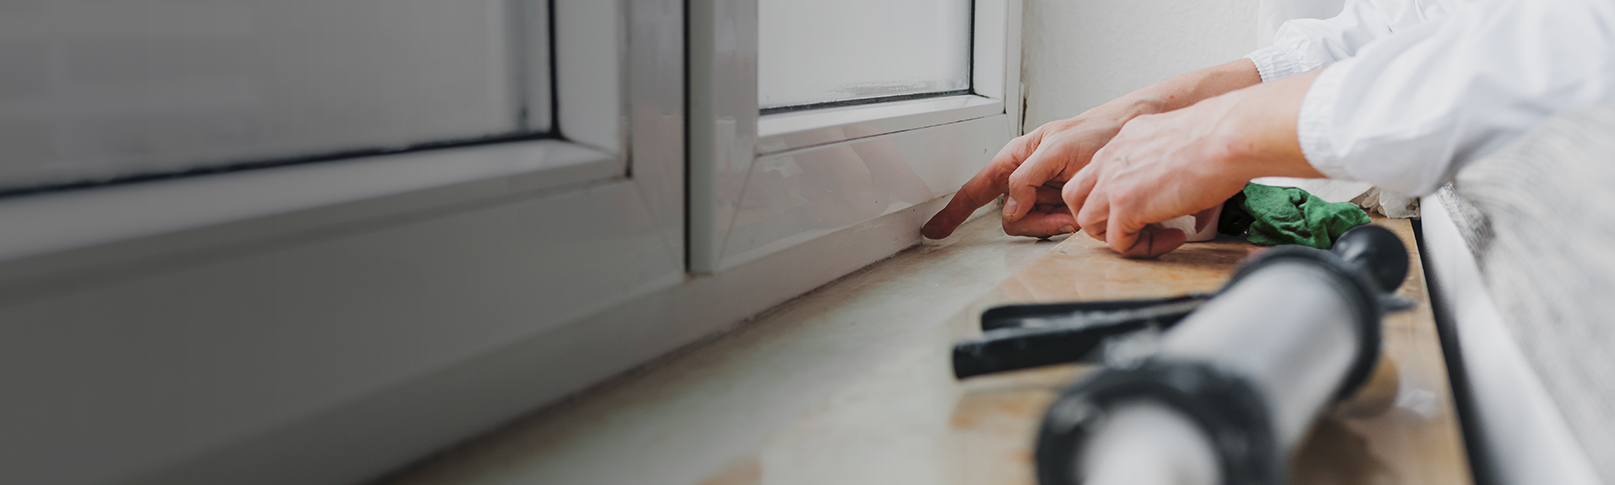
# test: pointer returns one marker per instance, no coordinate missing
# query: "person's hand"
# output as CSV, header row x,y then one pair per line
x,y
1157,168
1032,169
1164,166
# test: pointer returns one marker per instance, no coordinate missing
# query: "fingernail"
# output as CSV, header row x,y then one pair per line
x,y
1067,229
1009,207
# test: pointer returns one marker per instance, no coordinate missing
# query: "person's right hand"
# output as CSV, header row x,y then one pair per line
x,y
1032,169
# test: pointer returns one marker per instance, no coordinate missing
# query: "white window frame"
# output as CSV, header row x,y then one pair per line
x,y
954,135
242,327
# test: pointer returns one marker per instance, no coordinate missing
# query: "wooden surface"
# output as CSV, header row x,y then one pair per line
x,y
1415,441
908,421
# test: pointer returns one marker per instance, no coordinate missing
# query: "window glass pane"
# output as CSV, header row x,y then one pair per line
x,y
819,51
96,89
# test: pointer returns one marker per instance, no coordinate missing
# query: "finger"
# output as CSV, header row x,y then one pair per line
x,y
1131,234
1075,194
987,185
955,213
1149,243
1041,167
980,190
1123,226
1094,217
1042,224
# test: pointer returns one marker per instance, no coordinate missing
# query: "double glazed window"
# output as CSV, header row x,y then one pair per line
x,y
109,89
588,157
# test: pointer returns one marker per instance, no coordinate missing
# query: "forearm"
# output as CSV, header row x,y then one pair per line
x,y
1184,90
1181,91
1259,126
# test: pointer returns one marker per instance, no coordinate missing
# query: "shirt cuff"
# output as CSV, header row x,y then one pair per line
x,y
1276,62
1315,124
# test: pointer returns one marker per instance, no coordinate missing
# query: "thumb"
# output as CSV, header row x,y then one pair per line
x,y
1037,170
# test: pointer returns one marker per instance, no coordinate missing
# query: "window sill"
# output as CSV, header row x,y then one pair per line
x,y
817,336
796,130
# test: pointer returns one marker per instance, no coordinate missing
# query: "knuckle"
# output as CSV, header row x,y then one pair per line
x,y
1027,176
1020,142
1071,199
1089,218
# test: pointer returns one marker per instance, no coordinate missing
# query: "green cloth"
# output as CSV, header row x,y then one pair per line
x,y
1287,215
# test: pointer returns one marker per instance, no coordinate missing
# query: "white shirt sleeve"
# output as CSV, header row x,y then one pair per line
x,y
1303,45
1411,109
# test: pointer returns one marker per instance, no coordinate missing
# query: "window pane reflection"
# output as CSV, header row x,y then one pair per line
x,y
97,89
820,51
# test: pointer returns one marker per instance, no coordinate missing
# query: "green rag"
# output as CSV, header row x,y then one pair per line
x,y
1287,215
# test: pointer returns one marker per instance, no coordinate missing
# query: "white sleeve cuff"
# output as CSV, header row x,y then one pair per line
x,y
1276,62
1314,126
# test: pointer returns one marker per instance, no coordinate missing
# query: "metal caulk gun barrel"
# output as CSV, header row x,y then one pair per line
x,y
1230,390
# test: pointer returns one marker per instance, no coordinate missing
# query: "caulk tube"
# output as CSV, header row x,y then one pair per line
x,y
1241,379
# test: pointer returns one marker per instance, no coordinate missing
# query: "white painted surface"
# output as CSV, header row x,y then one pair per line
x,y
1082,53
1274,13
97,89
816,51
1523,433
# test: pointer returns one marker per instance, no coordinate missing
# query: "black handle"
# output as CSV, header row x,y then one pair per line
x,y
1032,335
1049,314
1376,252
1066,337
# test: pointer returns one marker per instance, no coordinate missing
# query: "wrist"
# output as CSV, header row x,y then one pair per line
x,y
1124,109
1259,135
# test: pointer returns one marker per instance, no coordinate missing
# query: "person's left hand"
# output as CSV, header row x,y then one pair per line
x,y
1157,168
1173,164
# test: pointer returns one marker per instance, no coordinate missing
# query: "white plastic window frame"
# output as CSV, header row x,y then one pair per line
x,y
589,147
728,134
239,327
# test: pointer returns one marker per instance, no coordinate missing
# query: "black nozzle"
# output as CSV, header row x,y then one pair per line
x,y
1377,252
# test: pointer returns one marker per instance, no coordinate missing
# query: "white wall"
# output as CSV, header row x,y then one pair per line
x,y
1078,54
